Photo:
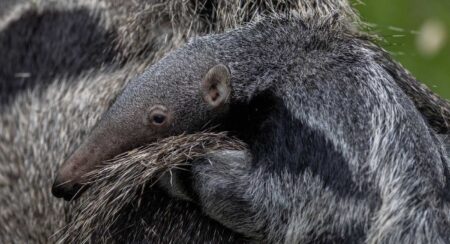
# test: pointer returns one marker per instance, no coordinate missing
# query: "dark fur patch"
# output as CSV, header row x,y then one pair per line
x,y
40,46
294,146
357,236
446,189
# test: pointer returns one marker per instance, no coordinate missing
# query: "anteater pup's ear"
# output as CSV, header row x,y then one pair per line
x,y
216,87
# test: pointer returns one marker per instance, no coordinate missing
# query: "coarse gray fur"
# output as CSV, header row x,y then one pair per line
x,y
34,134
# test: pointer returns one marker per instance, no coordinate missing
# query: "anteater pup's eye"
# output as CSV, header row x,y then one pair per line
x,y
158,116
158,119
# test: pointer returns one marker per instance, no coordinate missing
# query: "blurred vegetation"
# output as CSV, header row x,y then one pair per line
x,y
417,34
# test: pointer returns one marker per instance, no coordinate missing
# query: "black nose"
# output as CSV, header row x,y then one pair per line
x,y
68,191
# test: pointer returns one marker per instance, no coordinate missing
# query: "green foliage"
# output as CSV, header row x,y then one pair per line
x,y
417,33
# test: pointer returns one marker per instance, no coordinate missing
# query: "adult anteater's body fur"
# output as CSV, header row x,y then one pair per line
x,y
52,95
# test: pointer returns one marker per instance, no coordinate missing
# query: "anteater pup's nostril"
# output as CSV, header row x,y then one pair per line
x,y
68,191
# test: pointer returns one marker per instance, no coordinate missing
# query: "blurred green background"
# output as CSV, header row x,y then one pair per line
x,y
416,33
